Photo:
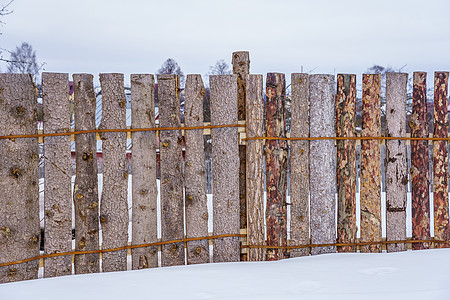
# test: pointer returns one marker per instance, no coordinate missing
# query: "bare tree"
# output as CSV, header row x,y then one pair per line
x,y
23,60
170,66
220,68
4,10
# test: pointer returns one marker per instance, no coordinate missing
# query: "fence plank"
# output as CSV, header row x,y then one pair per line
x,y
85,193
255,167
396,167
19,200
114,205
299,164
58,174
346,161
144,189
276,165
322,162
194,170
225,167
172,221
371,163
440,161
420,201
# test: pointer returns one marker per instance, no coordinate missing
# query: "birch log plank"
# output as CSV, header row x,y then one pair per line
x,y
420,197
225,167
322,162
276,165
114,204
144,189
58,174
194,170
396,167
255,167
299,164
85,193
172,220
440,162
371,163
19,200
346,161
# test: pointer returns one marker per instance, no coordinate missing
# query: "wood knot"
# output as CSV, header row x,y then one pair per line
x,y
6,231
16,172
173,249
122,103
20,110
103,218
82,243
12,272
198,250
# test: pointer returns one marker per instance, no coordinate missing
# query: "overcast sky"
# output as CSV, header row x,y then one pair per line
x,y
323,36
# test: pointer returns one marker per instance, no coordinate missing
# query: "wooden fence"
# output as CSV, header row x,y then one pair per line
x,y
251,154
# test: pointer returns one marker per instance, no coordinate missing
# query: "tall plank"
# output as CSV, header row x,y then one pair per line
x,y
276,165
371,163
299,164
194,170
114,204
396,167
144,189
440,162
172,220
19,199
346,161
58,174
322,162
255,167
225,167
420,196
85,193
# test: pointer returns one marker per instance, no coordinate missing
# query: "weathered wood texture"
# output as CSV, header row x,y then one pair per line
x,y
58,174
144,189
194,173
172,212
299,164
322,162
420,198
114,204
19,200
85,193
346,161
440,159
255,167
396,166
225,167
371,163
276,165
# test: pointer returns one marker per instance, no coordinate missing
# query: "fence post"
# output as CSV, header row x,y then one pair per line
x,y
322,162
144,189
299,164
396,167
19,199
85,193
58,174
194,172
225,167
346,161
420,191
440,159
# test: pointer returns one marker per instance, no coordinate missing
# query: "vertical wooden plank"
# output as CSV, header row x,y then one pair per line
x,y
172,222
255,167
396,167
420,196
276,165
114,205
225,167
440,162
19,200
322,162
371,163
58,174
144,189
346,161
300,164
85,193
194,169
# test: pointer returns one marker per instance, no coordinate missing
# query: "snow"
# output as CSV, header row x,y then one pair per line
x,y
407,275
